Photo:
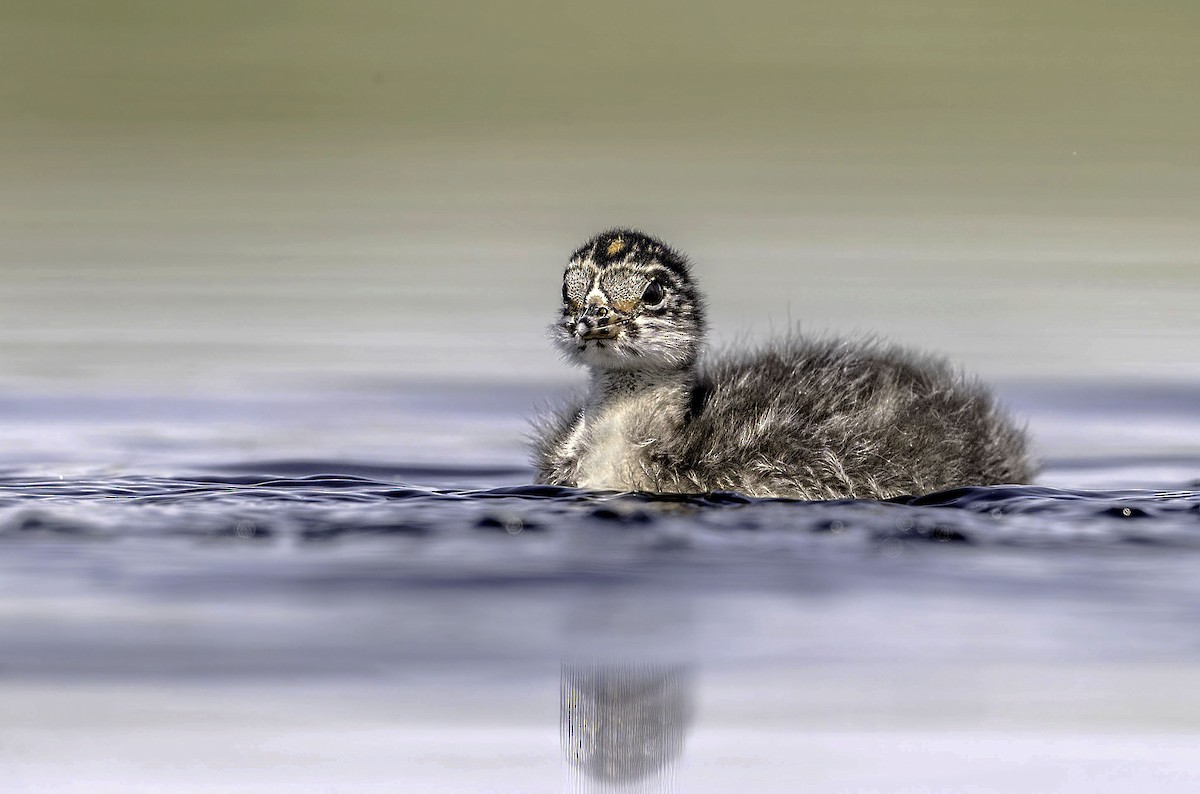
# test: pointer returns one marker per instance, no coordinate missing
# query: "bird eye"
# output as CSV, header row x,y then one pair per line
x,y
653,294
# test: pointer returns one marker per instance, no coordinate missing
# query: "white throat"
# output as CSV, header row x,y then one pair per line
x,y
626,412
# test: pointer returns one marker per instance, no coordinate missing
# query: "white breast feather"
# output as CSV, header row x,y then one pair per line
x,y
610,456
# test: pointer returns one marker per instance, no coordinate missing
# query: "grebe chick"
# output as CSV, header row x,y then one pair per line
x,y
809,419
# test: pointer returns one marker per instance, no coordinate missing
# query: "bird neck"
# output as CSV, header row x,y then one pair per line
x,y
613,387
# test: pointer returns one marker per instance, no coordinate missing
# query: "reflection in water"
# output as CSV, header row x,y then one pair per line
x,y
623,726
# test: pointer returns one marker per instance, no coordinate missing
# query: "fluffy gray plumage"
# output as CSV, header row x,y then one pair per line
x,y
803,418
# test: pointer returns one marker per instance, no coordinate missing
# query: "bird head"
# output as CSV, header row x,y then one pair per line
x,y
629,303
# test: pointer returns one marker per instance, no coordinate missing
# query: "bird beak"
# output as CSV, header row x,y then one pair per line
x,y
586,331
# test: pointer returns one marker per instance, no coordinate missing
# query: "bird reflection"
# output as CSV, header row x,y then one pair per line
x,y
623,725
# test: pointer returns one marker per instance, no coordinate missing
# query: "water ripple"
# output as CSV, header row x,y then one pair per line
x,y
322,506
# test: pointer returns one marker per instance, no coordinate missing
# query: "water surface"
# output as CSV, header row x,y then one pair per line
x,y
218,582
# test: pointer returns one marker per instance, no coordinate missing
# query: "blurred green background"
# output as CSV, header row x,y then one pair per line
x,y
257,195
